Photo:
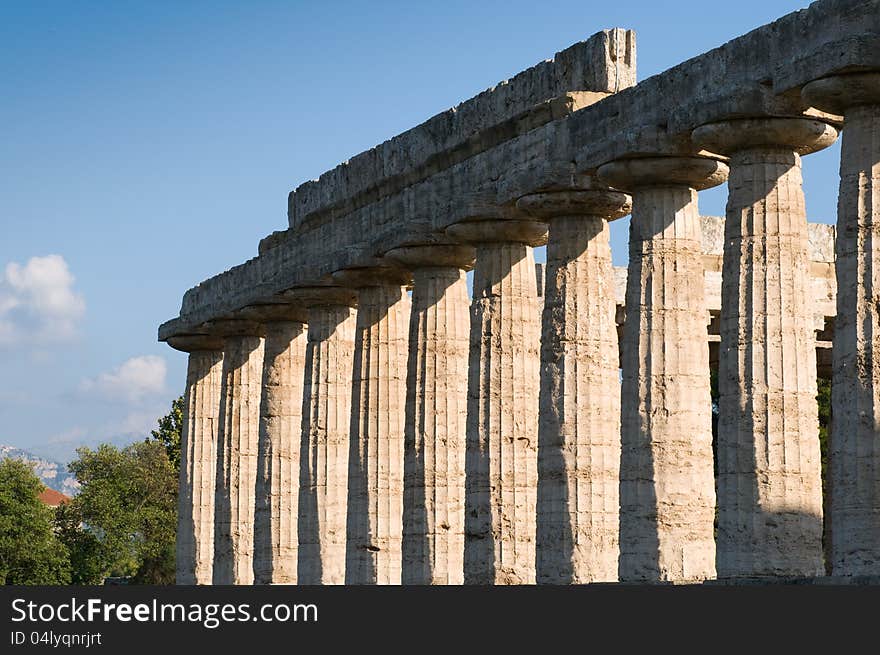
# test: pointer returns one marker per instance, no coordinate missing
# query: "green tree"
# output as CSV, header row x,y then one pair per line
x,y
123,521
86,566
30,553
169,431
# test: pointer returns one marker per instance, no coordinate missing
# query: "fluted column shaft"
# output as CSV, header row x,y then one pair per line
x,y
667,494
436,415
325,444
195,518
237,437
375,482
278,462
769,477
502,431
579,424
667,485
855,391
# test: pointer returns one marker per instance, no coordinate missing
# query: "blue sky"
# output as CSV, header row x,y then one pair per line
x,y
149,145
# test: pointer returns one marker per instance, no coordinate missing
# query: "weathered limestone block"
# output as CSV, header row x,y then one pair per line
x,y
195,516
375,464
579,425
326,414
667,488
436,414
769,479
237,436
278,452
503,383
855,392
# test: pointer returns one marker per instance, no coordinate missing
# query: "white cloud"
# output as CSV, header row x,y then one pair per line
x,y
38,303
134,380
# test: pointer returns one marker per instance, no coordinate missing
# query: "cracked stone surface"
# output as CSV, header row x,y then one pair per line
x,y
667,486
769,478
503,383
375,491
325,444
579,428
436,416
195,521
855,392
237,437
276,539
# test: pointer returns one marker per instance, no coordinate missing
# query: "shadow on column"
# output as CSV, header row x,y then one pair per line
x,y
649,259
309,569
309,556
479,542
555,538
360,561
480,561
417,541
639,559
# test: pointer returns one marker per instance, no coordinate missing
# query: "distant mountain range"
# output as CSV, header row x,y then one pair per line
x,y
52,474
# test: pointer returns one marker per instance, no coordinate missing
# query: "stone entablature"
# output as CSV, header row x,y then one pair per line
x,y
758,74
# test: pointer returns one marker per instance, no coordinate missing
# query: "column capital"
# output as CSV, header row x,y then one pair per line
x,y
838,93
322,295
274,312
529,232
451,255
372,276
801,135
189,343
234,327
602,203
694,172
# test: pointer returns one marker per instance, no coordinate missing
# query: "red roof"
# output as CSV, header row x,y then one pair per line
x,y
53,498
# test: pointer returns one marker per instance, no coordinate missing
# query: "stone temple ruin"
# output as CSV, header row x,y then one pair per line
x,y
342,430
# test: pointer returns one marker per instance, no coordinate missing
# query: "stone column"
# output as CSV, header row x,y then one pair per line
x,y
769,478
667,486
436,414
326,414
502,432
198,437
278,451
855,391
375,465
579,426
237,437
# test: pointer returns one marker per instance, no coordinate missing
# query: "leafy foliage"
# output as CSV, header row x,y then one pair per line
x,y
169,431
30,553
124,520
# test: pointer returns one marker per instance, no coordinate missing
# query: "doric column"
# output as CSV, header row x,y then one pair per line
x,y
667,487
501,462
769,478
436,414
579,425
237,437
198,439
326,414
375,464
278,451
855,390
